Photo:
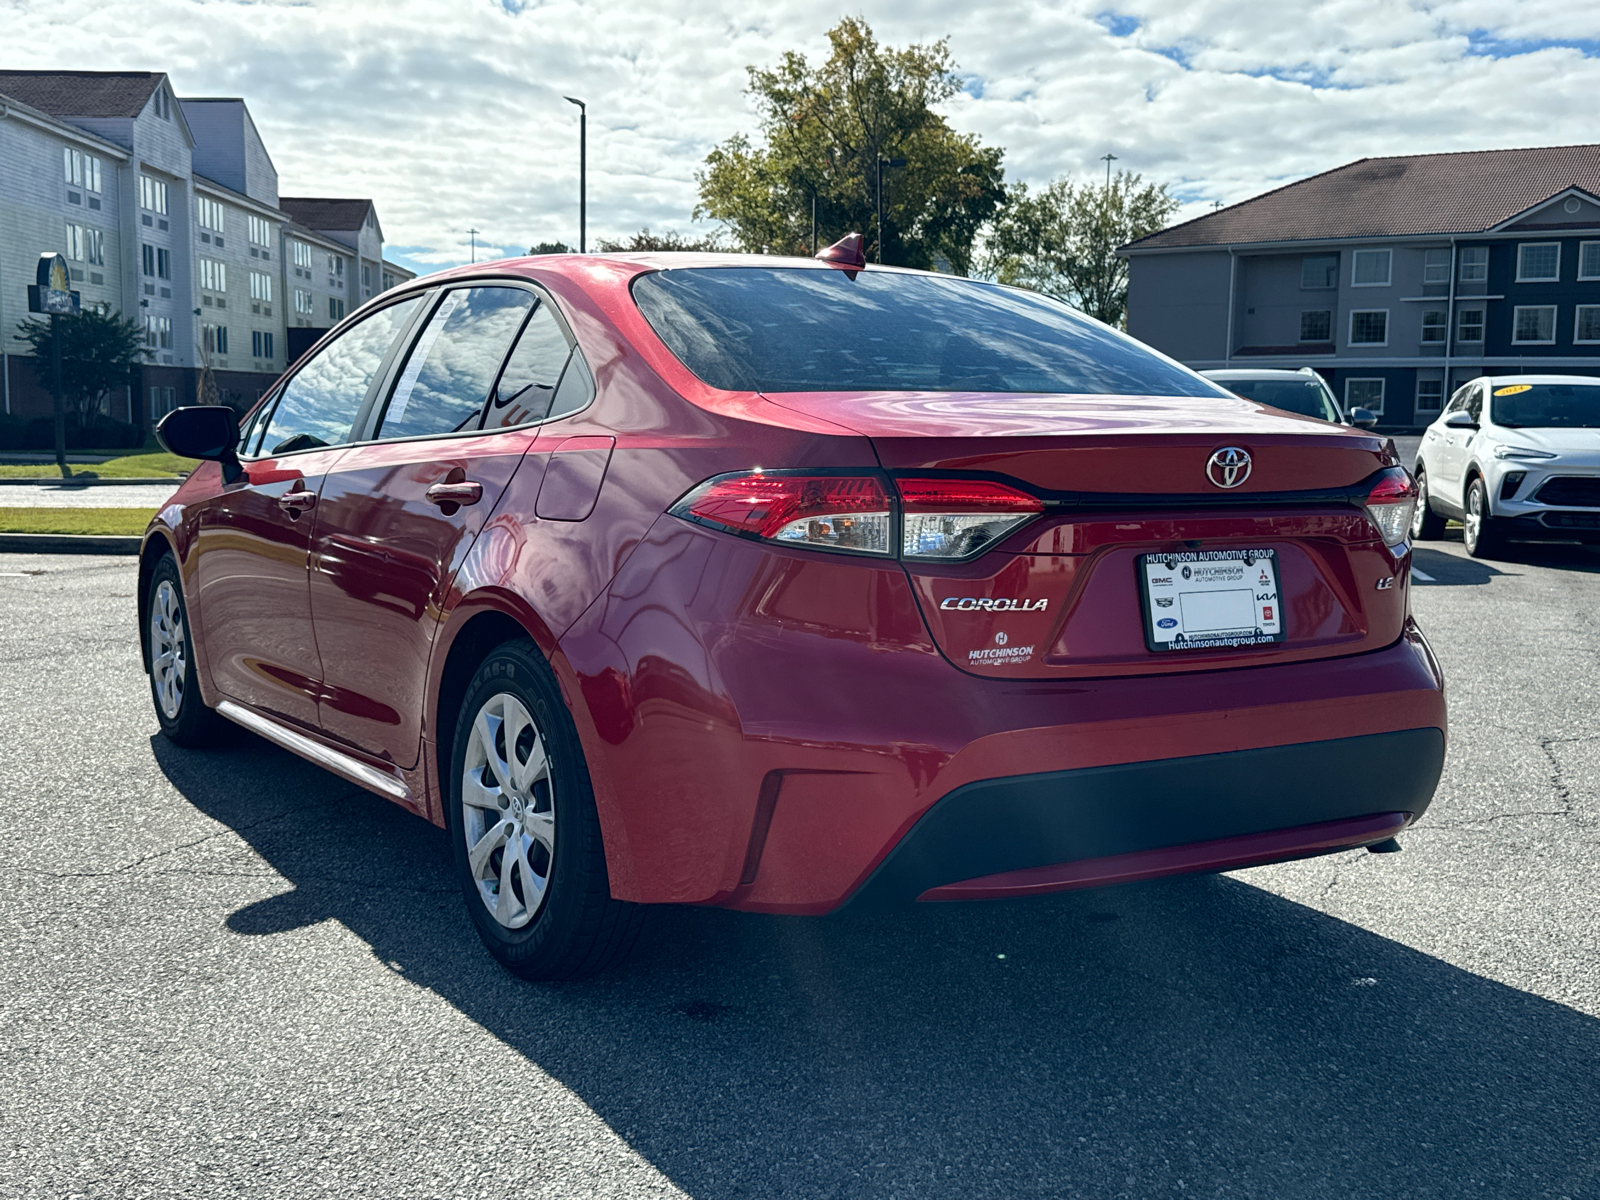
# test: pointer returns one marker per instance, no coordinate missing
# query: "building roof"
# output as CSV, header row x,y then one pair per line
x,y
1408,195
323,213
82,93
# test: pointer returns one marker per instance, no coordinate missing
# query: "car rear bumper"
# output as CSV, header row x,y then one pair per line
x,y
1030,834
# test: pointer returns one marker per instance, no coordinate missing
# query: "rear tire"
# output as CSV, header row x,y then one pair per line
x,y
1480,532
169,661
526,834
1426,525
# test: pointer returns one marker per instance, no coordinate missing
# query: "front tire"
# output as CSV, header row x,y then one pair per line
x,y
1426,525
526,833
1480,531
169,660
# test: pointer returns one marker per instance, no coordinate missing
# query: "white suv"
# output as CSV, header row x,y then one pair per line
x,y
1513,456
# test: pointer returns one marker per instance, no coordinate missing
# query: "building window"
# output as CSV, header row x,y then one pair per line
x,y
1474,264
81,170
261,344
388,282
164,264
366,277
1369,327
214,338
1534,325
1316,325
1364,393
1430,395
158,332
261,286
152,194
1469,325
94,247
302,302
1434,323
1370,268
147,257
1538,262
335,309
74,240
1586,328
302,255
161,104
210,214
1589,260
1436,266
260,231
213,275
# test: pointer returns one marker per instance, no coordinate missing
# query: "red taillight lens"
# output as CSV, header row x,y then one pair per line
x,y
1391,504
838,512
948,519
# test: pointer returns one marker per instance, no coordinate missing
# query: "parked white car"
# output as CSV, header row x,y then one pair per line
x,y
1303,391
1513,456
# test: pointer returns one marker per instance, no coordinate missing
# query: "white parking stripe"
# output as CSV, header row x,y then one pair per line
x,y
1421,576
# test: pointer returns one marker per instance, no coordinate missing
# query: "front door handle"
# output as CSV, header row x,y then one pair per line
x,y
295,503
450,496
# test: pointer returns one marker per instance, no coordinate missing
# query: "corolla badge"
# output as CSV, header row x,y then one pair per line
x,y
1228,467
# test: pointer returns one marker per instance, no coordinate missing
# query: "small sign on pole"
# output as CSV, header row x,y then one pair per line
x,y
53,292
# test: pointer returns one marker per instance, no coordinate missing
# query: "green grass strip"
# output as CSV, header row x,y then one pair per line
x,y
102,521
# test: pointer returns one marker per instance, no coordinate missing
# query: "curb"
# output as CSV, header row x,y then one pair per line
x,y
76,482
67,543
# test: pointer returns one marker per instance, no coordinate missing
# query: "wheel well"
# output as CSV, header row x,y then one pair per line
x,y
1473,472
480,635
153,552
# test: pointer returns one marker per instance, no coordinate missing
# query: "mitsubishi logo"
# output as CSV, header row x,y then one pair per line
x,y
1228,467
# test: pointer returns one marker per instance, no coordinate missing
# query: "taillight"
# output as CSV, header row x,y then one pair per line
x,y
835,512
948,519
1391,504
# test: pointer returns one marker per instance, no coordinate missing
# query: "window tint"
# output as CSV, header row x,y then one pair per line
x,y
447,377
532,372
1306,397
800,330
320,403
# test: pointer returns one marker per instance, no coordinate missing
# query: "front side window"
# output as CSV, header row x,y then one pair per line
x,y
1534,324
1538,262
1316,325
448,374
528,384
1319,271
1469,325
1547,406
319,405
1370,268
1474,264
1436,266
1586,327
1369,327
1434,325
797,329
1430,394
1364,393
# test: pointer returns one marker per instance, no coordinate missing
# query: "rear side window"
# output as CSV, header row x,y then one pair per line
x,y
447,377
319,405
774,329
528,384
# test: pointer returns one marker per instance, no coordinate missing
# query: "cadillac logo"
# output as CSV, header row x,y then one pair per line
x,y
1228,467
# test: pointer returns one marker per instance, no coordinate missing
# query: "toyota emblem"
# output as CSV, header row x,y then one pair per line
x,y
1228,467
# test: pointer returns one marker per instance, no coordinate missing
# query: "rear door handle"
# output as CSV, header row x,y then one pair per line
x,y
454,493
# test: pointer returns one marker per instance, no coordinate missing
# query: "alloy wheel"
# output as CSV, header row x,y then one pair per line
x,y
508,815
1472,520
1420,513
168,650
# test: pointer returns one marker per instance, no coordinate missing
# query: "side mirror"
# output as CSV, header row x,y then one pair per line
x,y
205,431
1460,420
1363,418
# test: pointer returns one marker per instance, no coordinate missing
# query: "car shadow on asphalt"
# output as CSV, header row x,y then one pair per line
x,y
1196,1036
1446,569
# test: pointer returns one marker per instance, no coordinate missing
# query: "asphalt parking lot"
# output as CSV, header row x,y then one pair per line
x,y
230,974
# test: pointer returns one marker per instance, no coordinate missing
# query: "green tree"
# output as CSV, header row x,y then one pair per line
x,y
644,241
826,127
100,352
1063,240
550,248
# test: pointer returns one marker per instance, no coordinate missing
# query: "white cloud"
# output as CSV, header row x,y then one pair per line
x,y
449,113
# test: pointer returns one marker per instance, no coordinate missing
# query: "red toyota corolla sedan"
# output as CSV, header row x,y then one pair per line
x,y
786,584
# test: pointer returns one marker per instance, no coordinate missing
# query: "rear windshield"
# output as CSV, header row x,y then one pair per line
x,y
1547,405
1304,396
777,329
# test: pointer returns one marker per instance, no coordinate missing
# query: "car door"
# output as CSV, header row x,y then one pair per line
x,y
253,540
1446,455
398,514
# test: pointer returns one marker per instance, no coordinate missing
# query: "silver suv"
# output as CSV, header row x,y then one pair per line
x,y
1302,391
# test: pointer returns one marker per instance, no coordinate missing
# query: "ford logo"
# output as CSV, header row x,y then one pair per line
x,y
1228,467
1166,623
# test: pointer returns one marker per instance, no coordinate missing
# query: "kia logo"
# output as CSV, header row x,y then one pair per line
x,y
1228,467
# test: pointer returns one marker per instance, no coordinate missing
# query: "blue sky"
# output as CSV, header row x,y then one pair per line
x,y
449,113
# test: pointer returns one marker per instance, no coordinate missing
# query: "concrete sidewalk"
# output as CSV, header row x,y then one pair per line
x,y
65,495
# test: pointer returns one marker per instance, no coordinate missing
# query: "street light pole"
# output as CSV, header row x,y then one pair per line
x,y
474,234
583,172
1108,159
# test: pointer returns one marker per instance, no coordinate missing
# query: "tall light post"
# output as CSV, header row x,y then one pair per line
x,y
583,172
882,163
474,235
1108,159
